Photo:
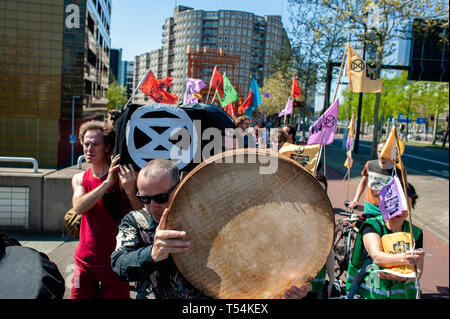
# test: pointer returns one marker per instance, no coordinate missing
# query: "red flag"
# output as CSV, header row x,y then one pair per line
x,y
154,88
247,102
217,82
295,91
230,110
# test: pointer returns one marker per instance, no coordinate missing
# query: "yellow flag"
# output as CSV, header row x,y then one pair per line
x,y
361,77
390,149
397,243
305,155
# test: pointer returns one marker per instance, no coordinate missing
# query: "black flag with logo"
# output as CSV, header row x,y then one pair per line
x,y
186,134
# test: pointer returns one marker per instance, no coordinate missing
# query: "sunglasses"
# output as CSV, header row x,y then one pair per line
x,y
159,198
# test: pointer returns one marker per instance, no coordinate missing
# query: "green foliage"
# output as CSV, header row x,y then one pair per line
x,y
116,95
399,95
280,87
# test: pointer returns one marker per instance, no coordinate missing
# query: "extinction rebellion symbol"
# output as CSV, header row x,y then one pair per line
x,y
160,125
358,65
329,121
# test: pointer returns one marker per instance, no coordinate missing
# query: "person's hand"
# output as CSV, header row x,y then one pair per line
x,y
353,204
297,292
168,241
414,257
113,167
127,178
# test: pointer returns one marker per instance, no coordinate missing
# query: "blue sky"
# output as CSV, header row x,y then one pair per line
x,y
136,25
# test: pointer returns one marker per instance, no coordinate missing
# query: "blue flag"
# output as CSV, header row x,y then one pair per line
x,y
256,98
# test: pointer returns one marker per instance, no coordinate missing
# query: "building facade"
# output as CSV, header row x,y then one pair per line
x,y
253,38
50,52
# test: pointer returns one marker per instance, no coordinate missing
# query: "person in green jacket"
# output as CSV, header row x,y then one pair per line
x,y
377,284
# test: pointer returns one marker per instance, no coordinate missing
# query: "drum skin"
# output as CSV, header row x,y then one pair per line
x,y
253,235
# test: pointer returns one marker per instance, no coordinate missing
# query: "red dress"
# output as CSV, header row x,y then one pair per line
x,y
98,231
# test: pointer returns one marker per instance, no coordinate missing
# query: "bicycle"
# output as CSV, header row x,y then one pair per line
x,y
345,235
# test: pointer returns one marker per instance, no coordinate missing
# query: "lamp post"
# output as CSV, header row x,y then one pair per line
x,y
73,138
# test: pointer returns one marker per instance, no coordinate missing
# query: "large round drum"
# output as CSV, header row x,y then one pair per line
x,y
258,223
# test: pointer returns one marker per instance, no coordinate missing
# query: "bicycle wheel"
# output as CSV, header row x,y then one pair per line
x,y
340,253
349,241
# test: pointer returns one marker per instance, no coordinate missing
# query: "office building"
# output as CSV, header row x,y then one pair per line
x,y
51,51
254,39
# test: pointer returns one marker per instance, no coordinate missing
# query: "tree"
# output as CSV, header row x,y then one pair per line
x,y
317,32
379,24
116,96
280,87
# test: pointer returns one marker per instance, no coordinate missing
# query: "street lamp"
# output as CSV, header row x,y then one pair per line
x,y
73,138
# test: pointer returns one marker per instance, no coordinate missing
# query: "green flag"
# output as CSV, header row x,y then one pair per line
x,y
230,94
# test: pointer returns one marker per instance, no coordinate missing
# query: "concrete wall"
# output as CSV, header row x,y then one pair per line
x,y
25,177
50,196
57,197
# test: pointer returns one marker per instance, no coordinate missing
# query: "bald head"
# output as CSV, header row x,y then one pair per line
x,y
158,167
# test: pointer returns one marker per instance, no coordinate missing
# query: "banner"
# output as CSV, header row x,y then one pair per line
x,y
246,103
154,88
361,78
322,131
305,155
192,86
146,132
216,82
256,98
229,93
288,109
389,150
295,90
392,199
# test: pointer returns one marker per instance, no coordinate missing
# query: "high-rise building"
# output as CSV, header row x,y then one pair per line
x,y
116,65
51,51
253,38
142,63
129,77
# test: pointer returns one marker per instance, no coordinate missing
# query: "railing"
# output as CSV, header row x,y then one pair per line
x,y
21,160
80,159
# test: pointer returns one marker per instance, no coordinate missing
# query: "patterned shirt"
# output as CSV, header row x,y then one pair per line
x,y
131,261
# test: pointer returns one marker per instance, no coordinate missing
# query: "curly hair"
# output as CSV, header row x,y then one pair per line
x,y
108,132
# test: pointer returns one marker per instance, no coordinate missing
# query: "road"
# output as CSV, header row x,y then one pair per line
x,y
422,160
427,170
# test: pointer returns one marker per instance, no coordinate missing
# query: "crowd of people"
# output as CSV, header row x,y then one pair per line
x,y
124,235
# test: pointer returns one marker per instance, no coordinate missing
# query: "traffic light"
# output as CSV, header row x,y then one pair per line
x,y
432,117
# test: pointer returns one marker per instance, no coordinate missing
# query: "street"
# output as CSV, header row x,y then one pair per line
x,y
421,160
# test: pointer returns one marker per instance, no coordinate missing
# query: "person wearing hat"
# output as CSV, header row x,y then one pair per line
x,y
376,174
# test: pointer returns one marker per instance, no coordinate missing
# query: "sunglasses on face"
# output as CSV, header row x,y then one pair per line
x,y
159,198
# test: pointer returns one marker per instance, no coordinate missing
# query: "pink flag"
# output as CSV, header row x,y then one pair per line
x,y
392,199
322,131
192,86
288,109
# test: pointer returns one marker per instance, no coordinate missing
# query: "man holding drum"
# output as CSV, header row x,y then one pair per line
x,y
144,244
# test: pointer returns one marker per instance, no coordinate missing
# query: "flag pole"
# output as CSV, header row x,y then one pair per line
x,y
215,93
349,162
214,71
135,90
334,97
405,187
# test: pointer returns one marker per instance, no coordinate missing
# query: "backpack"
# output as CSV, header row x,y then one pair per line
x,y
72,223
